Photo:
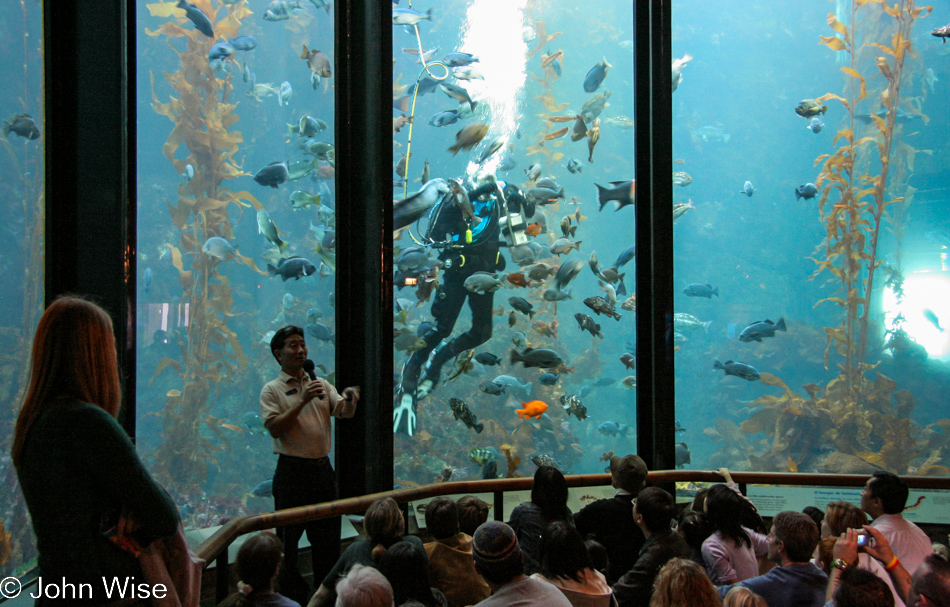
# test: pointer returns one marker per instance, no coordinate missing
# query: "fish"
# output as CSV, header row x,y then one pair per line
x,y
317,61
408,16
684,321
549,379
467,72
701,290
487,358
532,409
593,107
678,427
677,69
482,282
542,195
320,331
189,173
522,305
218,247
682,455
416,205
406,340
815,125
574,166
281,10
573,406
567,272
807,108
941,32
680,208
287,301
401,165
284,93
731,367
325,6
266,226
548,59
747,189
606,456
253,422
483,456
459,94
490,470
595,77
220,51
147,278
264,489
609,428
307,126
462,413
201,21
459,59
759,329
621,191
548,329
540,357
629,360
533,172
556,295
512,319
292,267
518,338
932,319
273,174
682,178
625,256
630,304
586,323
579,130
490,387
807,191
601,306
593,136
425,172
563,246
444,118
517,279
543,459
629,382
493,146
468,137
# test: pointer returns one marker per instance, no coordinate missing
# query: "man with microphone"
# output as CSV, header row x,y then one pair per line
x,y
296,409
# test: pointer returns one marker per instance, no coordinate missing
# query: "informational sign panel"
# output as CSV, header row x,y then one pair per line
x,y
934,508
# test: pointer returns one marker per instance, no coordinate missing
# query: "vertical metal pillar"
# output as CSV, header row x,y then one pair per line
x,y
90,164
654,220
362,74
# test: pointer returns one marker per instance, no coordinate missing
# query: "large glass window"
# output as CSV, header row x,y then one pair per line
x,y
236,235
515,355
810,256
22,188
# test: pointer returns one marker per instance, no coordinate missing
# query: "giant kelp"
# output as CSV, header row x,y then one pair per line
x,y
867,421
203,119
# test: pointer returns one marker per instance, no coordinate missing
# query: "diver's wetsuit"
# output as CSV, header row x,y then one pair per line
x,y
461,260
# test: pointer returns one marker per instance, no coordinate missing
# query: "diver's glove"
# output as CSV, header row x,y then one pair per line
x,y
405,406
516,200
482,190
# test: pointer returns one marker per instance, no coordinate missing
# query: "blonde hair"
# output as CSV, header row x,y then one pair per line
x,y
683,582
842,516
384,525
740,596
73,357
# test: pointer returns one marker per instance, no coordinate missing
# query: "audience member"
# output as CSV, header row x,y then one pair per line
x,y
91,501
815,513
385,526
861,588
364,586
884,498
730,553
740,596
610,521
599,559
258,562
795,582
846,555
699,500
682,583
930,584
566,564
406,567
548,504
653,511
941,551
499,560
451,568
472,513
824,554
841,516
694,528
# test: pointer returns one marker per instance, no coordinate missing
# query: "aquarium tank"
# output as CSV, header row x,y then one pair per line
x,y
22,274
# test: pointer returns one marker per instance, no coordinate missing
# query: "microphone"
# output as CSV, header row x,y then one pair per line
x,y
310,368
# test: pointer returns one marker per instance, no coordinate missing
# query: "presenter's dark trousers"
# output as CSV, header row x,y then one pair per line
x,y
304,482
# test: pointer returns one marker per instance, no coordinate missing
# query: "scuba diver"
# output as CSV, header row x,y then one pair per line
x,y
468,229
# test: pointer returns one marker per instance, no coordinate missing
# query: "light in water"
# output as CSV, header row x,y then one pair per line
x,y
492,32
926,311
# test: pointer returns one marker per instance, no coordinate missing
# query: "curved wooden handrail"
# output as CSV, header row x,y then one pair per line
x,y
229,532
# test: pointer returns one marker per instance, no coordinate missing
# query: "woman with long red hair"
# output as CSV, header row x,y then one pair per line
x,y
91,501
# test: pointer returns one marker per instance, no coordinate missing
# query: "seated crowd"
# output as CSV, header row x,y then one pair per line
x,y
719,552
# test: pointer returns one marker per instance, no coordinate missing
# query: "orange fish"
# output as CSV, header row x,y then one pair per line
x,y
518,280
561,118
548,59
533,229
533,409
556,134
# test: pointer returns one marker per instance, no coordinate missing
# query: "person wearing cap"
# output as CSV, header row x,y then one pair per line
x,y
610,521
499,561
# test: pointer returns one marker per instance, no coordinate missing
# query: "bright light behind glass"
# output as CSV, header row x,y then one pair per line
x,y
492,33
923,292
